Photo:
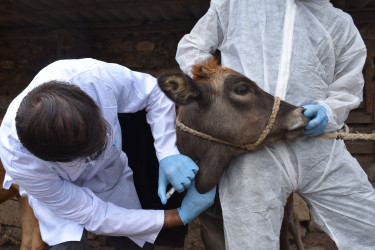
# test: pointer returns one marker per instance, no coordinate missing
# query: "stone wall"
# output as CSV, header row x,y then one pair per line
x,y
21,59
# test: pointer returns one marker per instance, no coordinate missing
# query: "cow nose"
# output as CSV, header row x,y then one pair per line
x,y
297,119
303,111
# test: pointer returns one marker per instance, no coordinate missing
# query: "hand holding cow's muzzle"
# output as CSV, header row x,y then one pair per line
x,y
319,119
195,203
178,170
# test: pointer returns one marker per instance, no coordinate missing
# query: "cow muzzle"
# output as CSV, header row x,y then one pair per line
x,y
295,123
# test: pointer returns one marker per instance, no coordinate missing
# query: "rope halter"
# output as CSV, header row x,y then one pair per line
x,y
251,146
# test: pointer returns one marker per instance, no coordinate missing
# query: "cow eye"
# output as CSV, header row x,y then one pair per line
x,y
241,90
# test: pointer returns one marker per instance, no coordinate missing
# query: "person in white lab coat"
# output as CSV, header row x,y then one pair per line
x,y
61,143
309,54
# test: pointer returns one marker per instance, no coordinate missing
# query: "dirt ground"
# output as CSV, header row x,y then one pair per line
x,y
187,238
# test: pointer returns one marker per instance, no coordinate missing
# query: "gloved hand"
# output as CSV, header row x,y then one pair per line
x,y
319,120
195,203
179,170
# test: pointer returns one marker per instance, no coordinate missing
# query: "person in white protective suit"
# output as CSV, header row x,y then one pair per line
x,y
61,143
309,54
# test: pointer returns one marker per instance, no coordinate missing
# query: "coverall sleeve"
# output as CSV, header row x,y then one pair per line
x,y
80,204
200,44
346,91
140,91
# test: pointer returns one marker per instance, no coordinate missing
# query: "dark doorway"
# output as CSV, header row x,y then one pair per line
x,y
138,144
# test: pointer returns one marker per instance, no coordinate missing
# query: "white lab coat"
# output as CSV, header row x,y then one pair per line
x,y
99,195
306,52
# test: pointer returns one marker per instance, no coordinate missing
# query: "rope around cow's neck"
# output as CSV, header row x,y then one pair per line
x,y
250,146
339,135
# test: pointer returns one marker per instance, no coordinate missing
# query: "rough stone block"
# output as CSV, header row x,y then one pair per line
x,y
193,238
313,227
319,240
9,213
145,47
370,171
301,209
7,64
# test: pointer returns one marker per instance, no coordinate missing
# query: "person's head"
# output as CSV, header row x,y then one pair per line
x,y
57,121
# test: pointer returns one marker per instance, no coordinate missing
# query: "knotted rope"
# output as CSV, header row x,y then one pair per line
x,y
342,134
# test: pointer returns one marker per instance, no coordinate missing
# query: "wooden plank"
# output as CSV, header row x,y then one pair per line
x,y
361,10
361,106
161,28
360,147
79,7
367,30
369,81
27,34
52,17
361,128
359,117
363,16
364,160
19,15
101,30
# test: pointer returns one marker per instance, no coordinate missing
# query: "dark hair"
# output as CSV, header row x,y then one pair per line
x,y
57,121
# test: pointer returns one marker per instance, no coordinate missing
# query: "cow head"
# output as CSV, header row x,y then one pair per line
x,y
224,104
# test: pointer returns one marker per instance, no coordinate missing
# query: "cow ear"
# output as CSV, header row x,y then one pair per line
x,y
180,88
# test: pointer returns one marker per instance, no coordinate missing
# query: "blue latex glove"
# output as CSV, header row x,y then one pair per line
x,y
195,203
319,119
179,170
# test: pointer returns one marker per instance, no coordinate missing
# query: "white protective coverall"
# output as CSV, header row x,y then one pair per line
x,y
99,195
306,52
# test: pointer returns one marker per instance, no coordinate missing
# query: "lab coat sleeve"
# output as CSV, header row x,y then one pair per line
x,y
346,91
79,204
203,40
141,91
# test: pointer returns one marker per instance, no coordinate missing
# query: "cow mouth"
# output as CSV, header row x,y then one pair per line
x,y
294,133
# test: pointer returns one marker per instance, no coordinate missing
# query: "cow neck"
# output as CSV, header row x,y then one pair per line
x,y
250,146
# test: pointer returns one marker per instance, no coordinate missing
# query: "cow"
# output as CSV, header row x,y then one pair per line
x,y
221,115
31,238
